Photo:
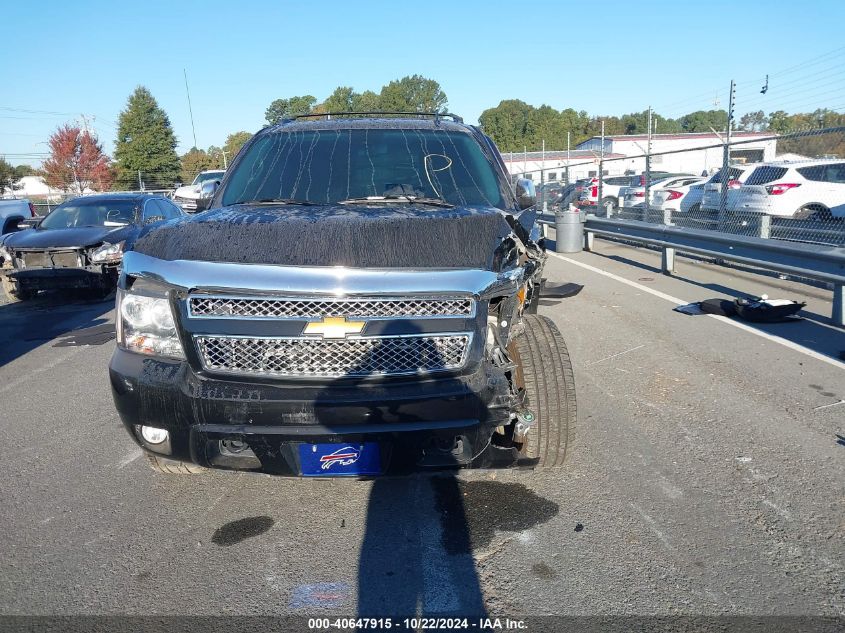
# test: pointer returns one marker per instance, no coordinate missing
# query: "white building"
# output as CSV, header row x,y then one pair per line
x,y
692,153
696,153
583,164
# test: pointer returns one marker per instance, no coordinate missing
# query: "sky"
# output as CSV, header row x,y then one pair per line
x,y
63,60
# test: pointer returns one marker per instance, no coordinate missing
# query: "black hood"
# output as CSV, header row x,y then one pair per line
x,y
66,238
376,236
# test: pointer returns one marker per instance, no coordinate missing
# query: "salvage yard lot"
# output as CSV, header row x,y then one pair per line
x,y
707,478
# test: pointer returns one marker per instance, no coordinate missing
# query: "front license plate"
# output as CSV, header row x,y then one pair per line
x,y
340,460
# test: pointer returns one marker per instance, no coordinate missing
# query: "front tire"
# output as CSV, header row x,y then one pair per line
x,y
544,370
172,466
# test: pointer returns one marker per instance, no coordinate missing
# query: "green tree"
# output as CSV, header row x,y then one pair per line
x,y
413,93
779,122
8,175
637,123
215,157
284,108
145,143
507,124
341,100
234,143
193,162
753,121
367,101
703,120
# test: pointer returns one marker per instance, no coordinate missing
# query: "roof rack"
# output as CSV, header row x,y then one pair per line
x,y
345,115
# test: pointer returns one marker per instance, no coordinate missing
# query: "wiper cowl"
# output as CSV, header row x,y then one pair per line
x,y
435,202
304,203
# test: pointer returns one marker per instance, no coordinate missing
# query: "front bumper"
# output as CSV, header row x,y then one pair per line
x,y
89,277
419,424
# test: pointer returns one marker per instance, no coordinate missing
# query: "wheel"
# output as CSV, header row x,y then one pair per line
x,y
172,466
545,372
14,292
814,211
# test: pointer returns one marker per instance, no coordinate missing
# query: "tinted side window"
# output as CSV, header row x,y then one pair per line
x,y
151,210
835,173
816,172
824,173
167,209
764,175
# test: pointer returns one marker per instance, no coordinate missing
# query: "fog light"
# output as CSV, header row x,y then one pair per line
x,y
153,435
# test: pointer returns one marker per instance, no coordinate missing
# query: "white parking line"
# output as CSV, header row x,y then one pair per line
x,y
742,326
130,458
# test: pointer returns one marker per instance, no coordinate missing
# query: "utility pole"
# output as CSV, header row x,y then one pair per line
x,y
140,182
524,161
190,110
543,174
600,191
567,158
648,167
225,162
726,157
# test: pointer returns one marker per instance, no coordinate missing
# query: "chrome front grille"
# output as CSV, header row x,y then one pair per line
x,y
210,306
331,358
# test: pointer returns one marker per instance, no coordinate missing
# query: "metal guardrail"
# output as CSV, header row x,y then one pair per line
x,y
811,261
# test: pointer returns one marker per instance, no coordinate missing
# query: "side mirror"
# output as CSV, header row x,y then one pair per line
x,y
207,191
29,223
526,195
208,188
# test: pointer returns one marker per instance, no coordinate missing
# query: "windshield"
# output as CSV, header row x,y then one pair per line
x,y
210,175
77,213
329,166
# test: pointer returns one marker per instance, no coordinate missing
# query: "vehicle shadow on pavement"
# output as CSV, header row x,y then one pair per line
x,y
410,566
30,324
406,568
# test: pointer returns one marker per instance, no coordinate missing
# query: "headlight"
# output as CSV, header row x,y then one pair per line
x,y
107,253
145,324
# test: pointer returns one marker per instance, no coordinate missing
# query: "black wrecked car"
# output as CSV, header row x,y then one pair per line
x,y
79,245
359,299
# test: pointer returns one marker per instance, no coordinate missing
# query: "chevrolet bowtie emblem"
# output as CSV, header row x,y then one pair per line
x,y
334,327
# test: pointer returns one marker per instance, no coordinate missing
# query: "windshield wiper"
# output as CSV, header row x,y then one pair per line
x,y
304,203
434,202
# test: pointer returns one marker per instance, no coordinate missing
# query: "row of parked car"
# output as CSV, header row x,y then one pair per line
x,y
799,190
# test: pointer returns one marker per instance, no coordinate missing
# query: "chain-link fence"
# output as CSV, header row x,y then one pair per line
x,y
786,187
46,196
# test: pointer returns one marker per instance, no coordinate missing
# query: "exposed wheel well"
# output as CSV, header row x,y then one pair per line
x,y
10,223
811,209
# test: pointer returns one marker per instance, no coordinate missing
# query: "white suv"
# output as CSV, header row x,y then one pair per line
x,y
712,196
794,190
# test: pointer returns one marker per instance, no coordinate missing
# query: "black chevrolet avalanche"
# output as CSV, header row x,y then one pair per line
x,y
359,299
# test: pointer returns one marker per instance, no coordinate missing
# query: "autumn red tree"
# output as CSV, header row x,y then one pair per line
x,y
77,161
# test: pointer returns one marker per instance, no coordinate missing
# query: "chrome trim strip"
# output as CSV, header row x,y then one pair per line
x,y
470,315
319,281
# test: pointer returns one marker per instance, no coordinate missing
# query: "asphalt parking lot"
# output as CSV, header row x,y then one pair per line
x,y
707,479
